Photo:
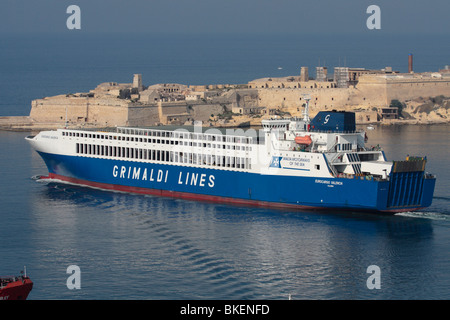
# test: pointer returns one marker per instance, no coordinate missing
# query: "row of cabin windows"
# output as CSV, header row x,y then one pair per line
x,y
160,141
88,135
186,135
162,134
166,156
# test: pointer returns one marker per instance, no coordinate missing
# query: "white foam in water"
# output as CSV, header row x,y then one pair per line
x,y
43,179
425,215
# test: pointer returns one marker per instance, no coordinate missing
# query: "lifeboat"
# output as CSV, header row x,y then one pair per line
x,y
303,140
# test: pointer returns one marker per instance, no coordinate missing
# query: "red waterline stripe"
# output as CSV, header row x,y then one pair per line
x,y
181,195
208,198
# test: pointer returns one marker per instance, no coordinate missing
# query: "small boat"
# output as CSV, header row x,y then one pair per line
x,y
370,128
15,288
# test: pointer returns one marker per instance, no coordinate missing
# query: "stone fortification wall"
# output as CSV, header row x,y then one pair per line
x,y
149,115
403,87
289,83
80,110
406,89
372,91
197,110
142,116
203,112
293,100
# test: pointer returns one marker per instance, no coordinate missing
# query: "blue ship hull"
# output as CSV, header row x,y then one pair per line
x,y
406,193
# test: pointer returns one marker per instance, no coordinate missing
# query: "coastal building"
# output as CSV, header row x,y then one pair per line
x,y
367,116
446,70
341,77
321,74
388,113
195,95
304,75
137,82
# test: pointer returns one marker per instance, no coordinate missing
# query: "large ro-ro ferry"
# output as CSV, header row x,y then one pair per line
x,y
319,163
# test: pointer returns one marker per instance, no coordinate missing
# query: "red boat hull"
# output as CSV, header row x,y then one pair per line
x,y
16,290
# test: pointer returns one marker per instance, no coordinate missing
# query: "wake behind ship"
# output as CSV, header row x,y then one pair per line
x,y
321,163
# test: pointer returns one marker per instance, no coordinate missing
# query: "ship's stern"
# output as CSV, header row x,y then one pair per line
x,y
410,187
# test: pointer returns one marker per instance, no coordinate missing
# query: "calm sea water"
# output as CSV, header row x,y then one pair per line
x,y
143,247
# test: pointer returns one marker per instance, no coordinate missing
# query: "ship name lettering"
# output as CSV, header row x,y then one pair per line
x,y
49,137
134,173
336,183
297,159
297,164
191,179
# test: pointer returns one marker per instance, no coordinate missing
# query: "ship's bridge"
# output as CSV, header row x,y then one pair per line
x,y
284,124
275,124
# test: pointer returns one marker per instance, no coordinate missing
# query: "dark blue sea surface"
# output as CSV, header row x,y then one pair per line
x,y
35,66
145,247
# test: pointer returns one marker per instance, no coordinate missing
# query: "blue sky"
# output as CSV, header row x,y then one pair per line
x,y
227,16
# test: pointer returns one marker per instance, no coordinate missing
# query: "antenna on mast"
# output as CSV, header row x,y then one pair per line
x,y
307,97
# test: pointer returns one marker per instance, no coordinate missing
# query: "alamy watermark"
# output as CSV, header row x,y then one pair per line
x,y
374,280
74,20
374,20
74,280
